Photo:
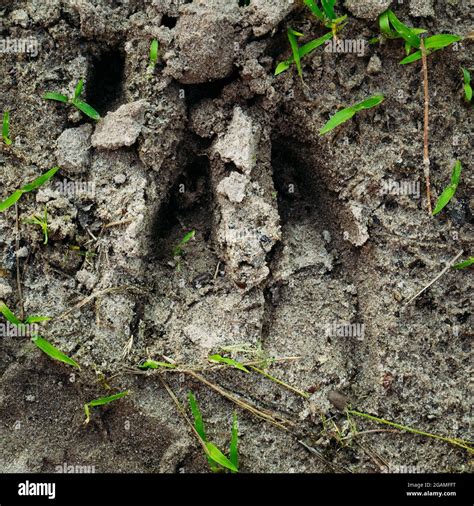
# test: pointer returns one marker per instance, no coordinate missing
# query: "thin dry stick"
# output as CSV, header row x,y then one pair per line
x,y
435,279
426,157
18,271
305,395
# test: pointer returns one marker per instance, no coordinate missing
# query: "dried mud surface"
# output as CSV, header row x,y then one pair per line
x,y
293,233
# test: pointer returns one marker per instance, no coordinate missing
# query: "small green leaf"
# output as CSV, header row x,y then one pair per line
x,y
40,181
10,201
153,364
440,41
228,361
346,114
234,443
101,402
86,109
404,31
384,24
303,51
37,319
450,190
154,46
5,310
217,456
78,90
51,95
6,128
198,422
53,352
464,264
294,47
467,85
412,58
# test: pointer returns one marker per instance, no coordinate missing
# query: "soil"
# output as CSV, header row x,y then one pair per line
x,y
294,236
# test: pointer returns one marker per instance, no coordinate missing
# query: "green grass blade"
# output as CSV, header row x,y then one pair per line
x,y
106,400
86,109
6,128
217,456
384,24
37,319
153,364
228,361
198,422
40,181
303,51
78,90
467,85
10,201
328,7
450,190
294,48
369,103
154,47
336,120
5,310
464,264
311,4
53,352
412,58
404,31
234,443
51,95
440,41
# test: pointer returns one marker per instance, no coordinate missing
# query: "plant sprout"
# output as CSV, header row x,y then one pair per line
x,y
101,402
154,47
40,181
44,345
153,364
432,44
6,128
467,85
450,190
41,222
326,14
228,361
346,114
74,100
215,457
464,264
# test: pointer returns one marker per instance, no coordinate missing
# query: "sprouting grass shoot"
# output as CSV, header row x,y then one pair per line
x,y
178,251
15,196
154,47
74,100
346,114
467,85
6,128
326,14
101,402
216,459
44,345
450,190
154,364
228,361
464,264
42,222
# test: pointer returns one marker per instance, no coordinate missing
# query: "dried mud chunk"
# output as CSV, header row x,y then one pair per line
x,y
265,15
73,149
120,128
367,9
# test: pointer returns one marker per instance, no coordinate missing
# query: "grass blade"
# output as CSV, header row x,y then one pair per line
x,y
328,7
6,128
10,201
440,41
37,319
40,181
336,120
467,85
101,401
311,4
51,95
198,422
217,456
450,190
5,310
153,364
78,90
53,352
228,361
464,264
294,47
154,47
404,31
234,443
369,103
86,109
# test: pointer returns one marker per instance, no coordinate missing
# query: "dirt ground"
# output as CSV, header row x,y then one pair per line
x,y
295,237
